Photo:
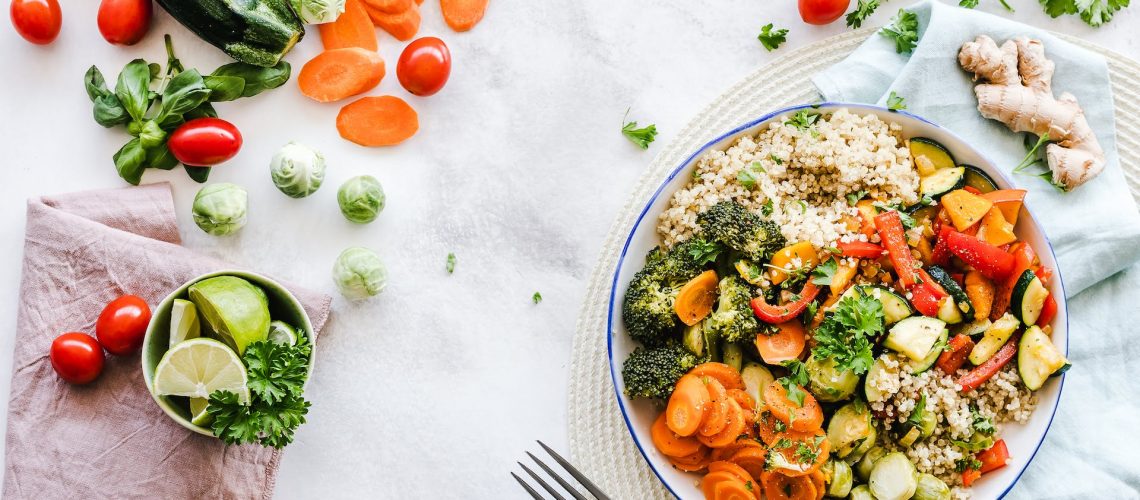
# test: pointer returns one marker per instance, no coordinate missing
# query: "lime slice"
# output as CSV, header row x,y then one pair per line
x,y
198,414
197,367
234,309
281,333
184,322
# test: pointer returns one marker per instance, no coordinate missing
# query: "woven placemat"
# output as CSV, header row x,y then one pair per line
x,y
599,441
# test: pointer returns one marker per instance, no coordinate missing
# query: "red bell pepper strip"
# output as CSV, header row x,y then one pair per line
x,y
1044,274
993,458
989,260
987,370
957,350
860,249
926,298
969,476
972,189
1023,258
779,314
890,228
940,256
1048,311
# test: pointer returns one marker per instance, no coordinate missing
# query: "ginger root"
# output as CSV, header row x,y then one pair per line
x,y
1016,89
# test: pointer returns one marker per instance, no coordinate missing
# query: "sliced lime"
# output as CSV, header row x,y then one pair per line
x,y
197,367
281,333
184,324
198,414
235,309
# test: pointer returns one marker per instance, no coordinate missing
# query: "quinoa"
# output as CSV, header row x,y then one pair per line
x,y
802,178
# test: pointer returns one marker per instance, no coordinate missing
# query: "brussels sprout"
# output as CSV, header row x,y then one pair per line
x,y
930,488
318,11
359,273
361,199
297,170
839,478
220,209
828,382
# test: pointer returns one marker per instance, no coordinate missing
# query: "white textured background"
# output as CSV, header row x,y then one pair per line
x,y
435,388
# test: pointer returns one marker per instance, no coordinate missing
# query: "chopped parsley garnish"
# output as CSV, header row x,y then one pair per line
x,y
846,334
767,208
853,198
748,176
772,38
803,119
824,273
704,252
639,136
779,425
536,298
895,102
782,443
967,463
981,424
1092,12
862,11
804,454
919,412
776,159
450,263
903,30
794,382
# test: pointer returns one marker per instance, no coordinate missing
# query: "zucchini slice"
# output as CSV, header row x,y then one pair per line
x,y
941,182
915,336
878,371
996,336
948,312
921,365
953,288
937,154
895,307
1038,358
978,179
973,328
892,478
1028,298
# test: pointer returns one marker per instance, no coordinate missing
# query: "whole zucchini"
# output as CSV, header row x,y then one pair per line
x,y
257,32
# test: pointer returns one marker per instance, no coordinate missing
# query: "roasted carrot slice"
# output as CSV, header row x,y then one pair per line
x,y
352,29
734,490
735,426
768,427
390,6
807,417
726,453
709,482
340,73
786,343
780,487
686,408
820,482
669,443
724,465
377,121
742,398
462,15
692,463
695,299
402,25
751,460
716,413
726,375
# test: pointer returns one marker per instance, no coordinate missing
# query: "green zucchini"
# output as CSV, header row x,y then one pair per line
x,y
257,32
939,157
953,288
1038,358
949,312
895,308
1028,297
973,328
996,336
915,336
978,179
917,366
941,182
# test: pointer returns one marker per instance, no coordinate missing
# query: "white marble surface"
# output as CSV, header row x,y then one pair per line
x,y
435,388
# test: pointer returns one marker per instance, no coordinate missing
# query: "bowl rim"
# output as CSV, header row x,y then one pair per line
x,y
168,301
610,329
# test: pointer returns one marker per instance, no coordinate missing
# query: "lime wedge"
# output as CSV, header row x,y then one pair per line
x,y
197,367
198,414
234,309
281,333
184,322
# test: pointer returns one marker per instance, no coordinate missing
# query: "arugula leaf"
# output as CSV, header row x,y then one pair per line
x,y
895,102
772,38
824,273
639,136
862,11
450,263
846,335
795,381
704,252
903,30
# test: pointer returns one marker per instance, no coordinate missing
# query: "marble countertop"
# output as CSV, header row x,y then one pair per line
x,y
439,385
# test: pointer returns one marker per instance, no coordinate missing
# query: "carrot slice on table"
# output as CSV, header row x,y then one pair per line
x,y
377,121
808,417
786,343
709,482
724,465
352,29
726,375
390,6
751,460
780,487
462,15
401,25
670,443
692,463
735,490
802,452
735,426
686,408
340,73
716,413
742,398
695,299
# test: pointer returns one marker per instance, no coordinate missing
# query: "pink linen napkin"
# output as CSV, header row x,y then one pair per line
x,y
109,439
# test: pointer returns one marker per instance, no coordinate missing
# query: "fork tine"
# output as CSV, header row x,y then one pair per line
x,y
573,491
549,489
533,494
590,486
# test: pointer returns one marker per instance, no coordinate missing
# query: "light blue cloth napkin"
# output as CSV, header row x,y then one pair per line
x,y
1092,448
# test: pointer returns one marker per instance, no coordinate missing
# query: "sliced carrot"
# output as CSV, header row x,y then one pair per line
x,y
751,460
716,412
808,417
786,343
669,443
820,482
377,121
726,375
695,300
735,490
732,429
799,447
402,25
727,452
390,6
725,465
692,463
768,427
340,73
462,15
780,487
742,398
352,29
686,408
709,482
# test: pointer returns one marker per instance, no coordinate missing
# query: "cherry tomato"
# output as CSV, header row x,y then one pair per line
x,y
822,11
38,21
424,66
124,22
76,357
205,142
122,325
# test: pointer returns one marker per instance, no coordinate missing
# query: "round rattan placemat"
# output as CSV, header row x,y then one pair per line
x,y
599,441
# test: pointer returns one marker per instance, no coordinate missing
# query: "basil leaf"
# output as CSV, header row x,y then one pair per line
x,y
130,161
132,88
160,157
257,79
205,110
109,112
183,93
95,84
199,174
151,135
224,88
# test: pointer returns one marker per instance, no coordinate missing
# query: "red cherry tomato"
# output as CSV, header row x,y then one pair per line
x,y
76,357
124,22
822,11
122,325
205,142
38,21
424,66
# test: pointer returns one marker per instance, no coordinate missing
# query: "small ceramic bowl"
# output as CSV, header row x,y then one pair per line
x,y
282,306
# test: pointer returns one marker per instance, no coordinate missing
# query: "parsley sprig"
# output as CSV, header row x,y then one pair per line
x,y
276,376
862,11
846,335
795,381
639,136
903,30
895,102
1092,12
771,37
704,252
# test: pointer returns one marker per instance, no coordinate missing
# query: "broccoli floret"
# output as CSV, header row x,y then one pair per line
x,y
648,308
738,228
652,372
733,319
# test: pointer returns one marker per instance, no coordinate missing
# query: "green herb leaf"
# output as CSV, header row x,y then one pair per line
x,y
198,174
895,102
903,30
536,298
748,176
204,110
130,161
151,135
277,371
772,38
969,4
862,11
109,112
257,79
132,88
276,374
767,208
853,198
183,93
160,157
824,273
639,136
795,381
224,88
450,263
981,424
1092,12
776,159
704,252
847,333
94,83
803,119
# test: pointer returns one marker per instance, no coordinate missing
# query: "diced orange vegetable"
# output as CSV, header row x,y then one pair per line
x,y
401,25
844,273
995,230
1009,201
377,121
352,29
867,213
980,291
669,443
965,208
790,258
786,343
390,6
695,299
726,375
462,15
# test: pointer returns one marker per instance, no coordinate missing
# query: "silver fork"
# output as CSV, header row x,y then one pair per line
x,y
586,483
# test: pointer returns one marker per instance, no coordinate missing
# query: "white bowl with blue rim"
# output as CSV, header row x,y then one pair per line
x,y
1023,440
